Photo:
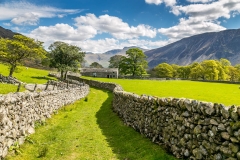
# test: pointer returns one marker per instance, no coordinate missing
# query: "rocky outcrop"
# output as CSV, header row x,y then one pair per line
x,y
20,111
188,128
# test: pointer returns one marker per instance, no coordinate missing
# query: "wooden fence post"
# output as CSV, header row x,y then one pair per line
x,y
47,85
35,87
19,86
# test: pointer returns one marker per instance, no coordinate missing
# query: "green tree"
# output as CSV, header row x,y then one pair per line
x,y
224,62
210,68
237,66
223,68
233,73
96,65
164,70
65,57
15,51
175,69
135,63
197,71
184,72
115,60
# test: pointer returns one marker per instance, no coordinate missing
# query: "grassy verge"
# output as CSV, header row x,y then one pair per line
x,y
227,94
28,75
7,88
88,129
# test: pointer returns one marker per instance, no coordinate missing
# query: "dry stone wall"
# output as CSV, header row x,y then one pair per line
x,y
20,111
10,80
188,128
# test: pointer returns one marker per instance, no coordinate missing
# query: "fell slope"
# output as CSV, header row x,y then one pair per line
x,y
213,45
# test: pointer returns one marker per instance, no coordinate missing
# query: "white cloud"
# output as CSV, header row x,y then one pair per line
x,y
189,27
26,19
201,18
61,32
103,45
22,12
200,1
7,24
147,44
158,2
99,46
211,11
16,29
81,37
115,26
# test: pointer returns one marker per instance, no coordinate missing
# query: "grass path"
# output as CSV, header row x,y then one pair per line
x,y
90,130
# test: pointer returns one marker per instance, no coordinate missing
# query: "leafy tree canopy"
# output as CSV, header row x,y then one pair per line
x,y
65,57
135,63
164,70
205,70
96,65
115,60
15,51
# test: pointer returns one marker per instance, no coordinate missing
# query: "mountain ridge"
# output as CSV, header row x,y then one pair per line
x,y
210,45
6,33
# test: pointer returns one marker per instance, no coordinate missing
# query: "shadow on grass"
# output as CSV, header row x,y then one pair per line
x,y
125,142
42,77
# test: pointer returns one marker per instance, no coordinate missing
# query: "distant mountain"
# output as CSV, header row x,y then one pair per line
x,y
103,58
6,33
214,45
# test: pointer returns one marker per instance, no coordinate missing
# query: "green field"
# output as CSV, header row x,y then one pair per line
x,y
227,94
88,129
7,88
27,75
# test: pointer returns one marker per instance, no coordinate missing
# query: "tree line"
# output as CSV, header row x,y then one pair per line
x,y
66,57
206,70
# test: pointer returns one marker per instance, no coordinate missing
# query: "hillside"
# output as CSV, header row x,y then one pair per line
x,y
6,33
214,45
105,57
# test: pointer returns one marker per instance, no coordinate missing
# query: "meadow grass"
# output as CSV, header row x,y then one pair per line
x,y
7,88
88,129
27,75
227,94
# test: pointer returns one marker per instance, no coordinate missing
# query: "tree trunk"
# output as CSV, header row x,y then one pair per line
x,y
13,67
65,75
61,74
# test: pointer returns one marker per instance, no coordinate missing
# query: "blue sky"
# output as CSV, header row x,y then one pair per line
x,y
101,25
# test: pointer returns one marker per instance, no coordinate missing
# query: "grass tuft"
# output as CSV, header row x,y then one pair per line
x,y
86,99
42,151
